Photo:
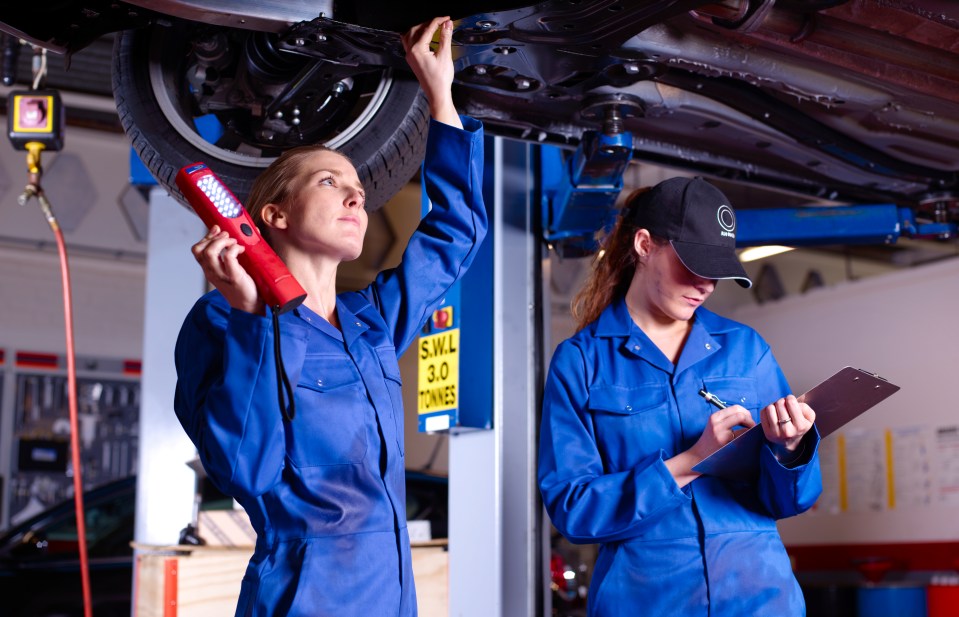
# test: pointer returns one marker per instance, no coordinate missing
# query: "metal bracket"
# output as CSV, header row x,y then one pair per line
x,y
579,191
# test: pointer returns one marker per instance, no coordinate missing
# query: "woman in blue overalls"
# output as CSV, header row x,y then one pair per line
x,y
326,490
624,423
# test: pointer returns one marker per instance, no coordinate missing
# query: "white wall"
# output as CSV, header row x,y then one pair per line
x,y
107,304
901,457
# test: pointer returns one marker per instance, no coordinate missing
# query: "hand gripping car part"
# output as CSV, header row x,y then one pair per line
x,y
216,205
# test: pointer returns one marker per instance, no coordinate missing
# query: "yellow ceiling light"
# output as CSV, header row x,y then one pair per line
x,y
761,252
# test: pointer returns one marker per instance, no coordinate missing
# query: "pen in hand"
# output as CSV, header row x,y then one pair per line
x,y
712,399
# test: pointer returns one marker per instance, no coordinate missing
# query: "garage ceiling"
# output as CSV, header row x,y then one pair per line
x,y
88,73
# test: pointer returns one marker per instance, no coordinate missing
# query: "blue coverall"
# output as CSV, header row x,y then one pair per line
x,y
326,491
615,408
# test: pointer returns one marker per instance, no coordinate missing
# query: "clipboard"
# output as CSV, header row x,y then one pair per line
x,y
836,401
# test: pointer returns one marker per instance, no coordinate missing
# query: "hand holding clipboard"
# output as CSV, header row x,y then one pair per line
x,y
836,401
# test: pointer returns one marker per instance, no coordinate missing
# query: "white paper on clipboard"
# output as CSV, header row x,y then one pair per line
x,y
836,401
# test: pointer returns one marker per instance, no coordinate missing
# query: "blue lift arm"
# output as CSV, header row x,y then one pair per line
x,y
579,192
813,225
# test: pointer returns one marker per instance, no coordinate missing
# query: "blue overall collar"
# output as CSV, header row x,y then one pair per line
x,y
616,322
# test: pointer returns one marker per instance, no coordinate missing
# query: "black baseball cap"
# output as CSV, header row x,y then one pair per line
x,y
699,223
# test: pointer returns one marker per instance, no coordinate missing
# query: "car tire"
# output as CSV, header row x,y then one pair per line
x,y
386,143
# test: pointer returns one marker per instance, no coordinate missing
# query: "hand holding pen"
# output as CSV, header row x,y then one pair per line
x,y
721,425
717,433
784,422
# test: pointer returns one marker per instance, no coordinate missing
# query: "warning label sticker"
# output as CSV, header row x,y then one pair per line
x,y
439,372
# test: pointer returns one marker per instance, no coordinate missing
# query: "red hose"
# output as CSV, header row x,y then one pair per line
x,y
74,415
34,150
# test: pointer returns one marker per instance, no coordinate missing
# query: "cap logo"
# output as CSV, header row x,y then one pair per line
x,y
727,221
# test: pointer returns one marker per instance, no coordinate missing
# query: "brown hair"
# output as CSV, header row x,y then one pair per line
x,y
278,184
613,267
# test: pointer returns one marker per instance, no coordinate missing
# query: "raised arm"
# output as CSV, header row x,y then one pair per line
x,y
448,238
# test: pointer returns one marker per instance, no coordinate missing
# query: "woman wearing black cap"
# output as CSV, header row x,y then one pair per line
x,y
624,422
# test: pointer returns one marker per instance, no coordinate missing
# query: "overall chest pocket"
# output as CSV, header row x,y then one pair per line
x,y
736,391
394,385
333,414
630,422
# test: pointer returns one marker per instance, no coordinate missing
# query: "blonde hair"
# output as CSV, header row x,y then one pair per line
x,y
279,183
613,268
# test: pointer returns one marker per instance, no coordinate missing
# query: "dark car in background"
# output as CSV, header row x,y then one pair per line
x,y
39,558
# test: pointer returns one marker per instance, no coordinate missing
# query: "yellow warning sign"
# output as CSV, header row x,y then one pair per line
x,y
439,364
